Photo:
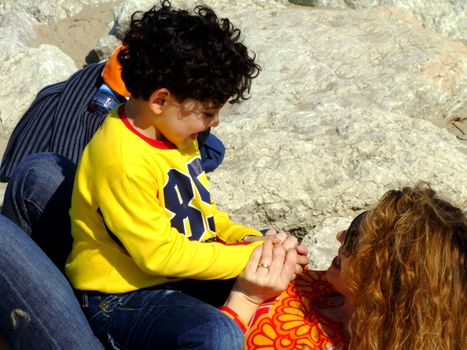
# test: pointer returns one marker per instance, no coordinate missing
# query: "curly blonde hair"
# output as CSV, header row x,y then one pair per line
x,y
409,274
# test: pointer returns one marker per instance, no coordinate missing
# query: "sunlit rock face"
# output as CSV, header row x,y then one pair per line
x,y
446,17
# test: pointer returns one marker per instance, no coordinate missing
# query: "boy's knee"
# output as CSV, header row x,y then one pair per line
x,y
217,332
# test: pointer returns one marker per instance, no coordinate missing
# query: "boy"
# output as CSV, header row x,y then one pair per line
x,y
142,215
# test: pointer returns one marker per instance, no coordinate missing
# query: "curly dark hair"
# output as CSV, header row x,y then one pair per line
x,y
195,56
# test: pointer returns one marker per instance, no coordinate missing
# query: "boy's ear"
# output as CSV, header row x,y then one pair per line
x,y
158,100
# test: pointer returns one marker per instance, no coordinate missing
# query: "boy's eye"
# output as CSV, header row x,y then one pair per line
x,y
209,115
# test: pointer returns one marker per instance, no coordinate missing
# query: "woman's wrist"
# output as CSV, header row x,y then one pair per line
x,y
242,304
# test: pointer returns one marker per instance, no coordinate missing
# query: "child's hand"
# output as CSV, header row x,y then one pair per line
x,y
291,242
276,236
288,242
252,238
280,235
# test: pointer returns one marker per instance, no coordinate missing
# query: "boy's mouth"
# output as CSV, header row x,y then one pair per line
x,y
194,136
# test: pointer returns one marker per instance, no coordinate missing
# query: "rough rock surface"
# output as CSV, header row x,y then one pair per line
x,y
448,17
351,102
47,11
25,68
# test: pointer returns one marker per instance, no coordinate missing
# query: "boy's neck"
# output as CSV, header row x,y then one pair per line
x,y
142,118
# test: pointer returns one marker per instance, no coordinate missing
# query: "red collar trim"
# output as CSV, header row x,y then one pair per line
x,y
154,143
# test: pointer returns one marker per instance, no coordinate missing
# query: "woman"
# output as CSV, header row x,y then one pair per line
x,y
398,282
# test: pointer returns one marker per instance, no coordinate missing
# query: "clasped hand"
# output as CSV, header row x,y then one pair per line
x,y
271,267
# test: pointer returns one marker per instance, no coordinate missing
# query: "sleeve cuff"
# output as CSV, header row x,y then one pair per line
x,y
235,317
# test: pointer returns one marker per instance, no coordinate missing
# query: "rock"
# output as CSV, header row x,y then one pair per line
x,y
447,17
47,11
77,35
17,31
322,243
25,69
105,46
23,74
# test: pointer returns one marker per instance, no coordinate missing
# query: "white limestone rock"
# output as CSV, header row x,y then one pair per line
x,y
16,31
448,17
361,58
322,243
25,68
47,11
293,169
22,74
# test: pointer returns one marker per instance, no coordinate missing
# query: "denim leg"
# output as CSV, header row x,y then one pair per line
x,y
37,199
160,319
213,292
38,309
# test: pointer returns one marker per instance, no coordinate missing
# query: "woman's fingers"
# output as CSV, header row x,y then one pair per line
x,y
290,264
255,258
278,257
284,267
265,260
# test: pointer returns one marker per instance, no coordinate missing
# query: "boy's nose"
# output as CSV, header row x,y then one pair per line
x,y
214,122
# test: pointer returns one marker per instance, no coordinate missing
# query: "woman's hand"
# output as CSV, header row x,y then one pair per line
x,y
269,271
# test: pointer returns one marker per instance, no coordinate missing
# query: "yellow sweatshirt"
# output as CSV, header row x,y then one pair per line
x,y
142,215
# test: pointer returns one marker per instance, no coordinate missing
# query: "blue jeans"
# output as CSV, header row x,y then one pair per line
x,y
171,316
159,319
38,198
38,309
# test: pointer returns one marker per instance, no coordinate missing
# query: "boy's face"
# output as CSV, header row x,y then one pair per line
x,y
183,121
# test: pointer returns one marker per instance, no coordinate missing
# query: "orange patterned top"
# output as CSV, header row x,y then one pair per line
x,y
291,322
